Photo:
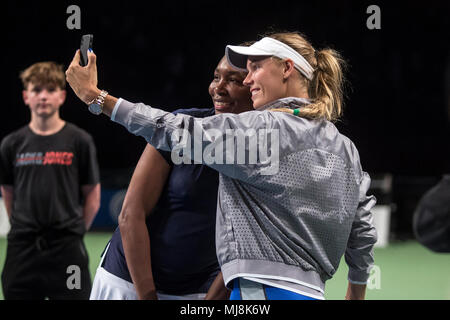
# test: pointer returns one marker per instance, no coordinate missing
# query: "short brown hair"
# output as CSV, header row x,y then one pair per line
x,y
44,73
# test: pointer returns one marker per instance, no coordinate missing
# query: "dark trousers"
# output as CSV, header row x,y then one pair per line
x,y
37,268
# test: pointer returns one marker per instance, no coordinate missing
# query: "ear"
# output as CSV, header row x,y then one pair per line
x,y
25,96
63,94
288,68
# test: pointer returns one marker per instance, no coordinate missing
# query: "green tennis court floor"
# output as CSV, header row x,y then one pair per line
x,y
403,271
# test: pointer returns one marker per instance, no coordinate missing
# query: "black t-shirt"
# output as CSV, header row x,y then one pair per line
x,y
47,173
181,229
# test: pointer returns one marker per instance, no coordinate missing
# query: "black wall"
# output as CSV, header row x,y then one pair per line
x,y
164,53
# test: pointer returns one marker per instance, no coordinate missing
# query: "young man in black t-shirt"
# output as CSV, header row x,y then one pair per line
x,y
49,179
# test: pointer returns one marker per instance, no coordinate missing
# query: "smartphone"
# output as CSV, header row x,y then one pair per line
x,y
86,43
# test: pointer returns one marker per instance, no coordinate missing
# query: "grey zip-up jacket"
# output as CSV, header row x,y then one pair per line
x,y
284,217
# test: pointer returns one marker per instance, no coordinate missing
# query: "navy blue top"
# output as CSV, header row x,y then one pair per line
x,y
181,228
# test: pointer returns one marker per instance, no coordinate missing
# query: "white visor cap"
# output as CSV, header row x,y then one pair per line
x,y
237,55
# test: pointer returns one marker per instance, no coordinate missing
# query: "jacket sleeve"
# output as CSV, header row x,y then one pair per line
x,y
363,236
195,140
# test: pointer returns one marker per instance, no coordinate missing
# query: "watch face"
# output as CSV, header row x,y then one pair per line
x,y
95,108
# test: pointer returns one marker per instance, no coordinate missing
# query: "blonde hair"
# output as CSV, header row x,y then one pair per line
x,y
326,87
44,73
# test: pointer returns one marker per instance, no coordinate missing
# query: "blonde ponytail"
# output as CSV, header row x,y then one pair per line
x,y
325,90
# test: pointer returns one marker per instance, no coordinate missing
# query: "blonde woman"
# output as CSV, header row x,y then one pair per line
x,y
285,216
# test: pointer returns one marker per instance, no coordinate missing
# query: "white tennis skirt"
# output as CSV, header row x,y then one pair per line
x,y
107,286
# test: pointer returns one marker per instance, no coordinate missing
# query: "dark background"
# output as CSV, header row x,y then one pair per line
x,y
164,53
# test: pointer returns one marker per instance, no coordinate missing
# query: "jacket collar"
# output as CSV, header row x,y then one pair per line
x,y
289,102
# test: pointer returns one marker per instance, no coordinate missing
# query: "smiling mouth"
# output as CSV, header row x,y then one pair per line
x,y
221,104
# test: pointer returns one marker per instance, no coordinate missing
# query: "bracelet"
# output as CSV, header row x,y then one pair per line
x,y
100,99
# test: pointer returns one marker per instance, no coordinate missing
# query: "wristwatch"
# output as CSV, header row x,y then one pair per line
x,y
96,105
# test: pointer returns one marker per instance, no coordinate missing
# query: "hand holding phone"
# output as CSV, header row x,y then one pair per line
x,y
86,43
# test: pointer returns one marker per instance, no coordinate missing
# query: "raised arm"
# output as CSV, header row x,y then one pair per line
x,y
143,193
163,130
83,81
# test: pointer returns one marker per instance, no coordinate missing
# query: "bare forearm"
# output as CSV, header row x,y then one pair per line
x,y
143,193
355,291
8,207
108,105
91,205
89,213
136,246
8,195
218,291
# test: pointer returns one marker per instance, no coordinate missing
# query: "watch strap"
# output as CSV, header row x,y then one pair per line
x,y
100,99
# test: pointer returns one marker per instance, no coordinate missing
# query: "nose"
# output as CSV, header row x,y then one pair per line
x,y
43,95
248,80
220,87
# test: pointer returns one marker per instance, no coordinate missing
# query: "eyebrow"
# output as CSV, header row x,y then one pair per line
x,y
252,62
258,58
232,73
